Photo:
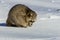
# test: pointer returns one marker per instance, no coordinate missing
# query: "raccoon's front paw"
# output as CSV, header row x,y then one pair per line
x,y
30,23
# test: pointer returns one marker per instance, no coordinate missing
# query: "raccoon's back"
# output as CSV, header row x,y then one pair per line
x,y
18,9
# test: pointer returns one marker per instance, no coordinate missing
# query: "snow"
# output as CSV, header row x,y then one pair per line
x,y
46,27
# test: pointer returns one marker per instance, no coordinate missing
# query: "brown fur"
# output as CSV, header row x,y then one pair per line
x,y
21,16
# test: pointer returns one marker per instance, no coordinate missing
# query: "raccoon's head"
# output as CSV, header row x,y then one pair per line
x,y
31,16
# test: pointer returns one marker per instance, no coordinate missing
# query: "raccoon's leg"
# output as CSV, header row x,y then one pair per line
x,y
22,23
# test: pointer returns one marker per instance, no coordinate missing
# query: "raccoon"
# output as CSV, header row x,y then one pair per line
x,y
21,16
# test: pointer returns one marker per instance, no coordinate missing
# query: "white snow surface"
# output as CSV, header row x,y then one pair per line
x,y
46,27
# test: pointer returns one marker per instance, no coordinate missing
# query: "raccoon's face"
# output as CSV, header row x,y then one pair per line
x,y
31,17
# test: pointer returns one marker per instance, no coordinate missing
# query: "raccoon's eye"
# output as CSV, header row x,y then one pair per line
x,y
31,21
29,15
